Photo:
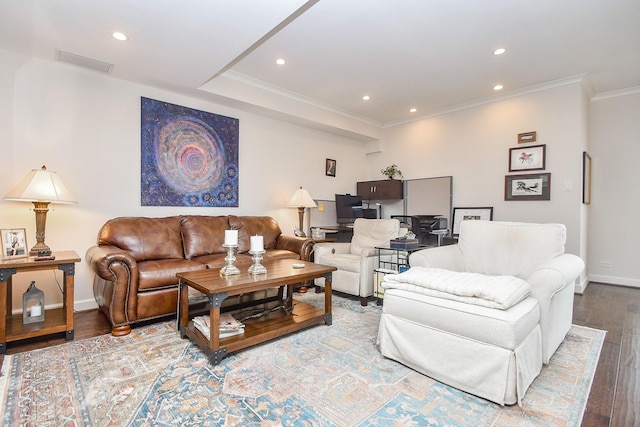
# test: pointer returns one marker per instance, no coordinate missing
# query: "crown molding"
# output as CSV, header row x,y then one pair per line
x,y
579,78
616,93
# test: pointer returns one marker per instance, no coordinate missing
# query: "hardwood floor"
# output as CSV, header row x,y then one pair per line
x,y
615,393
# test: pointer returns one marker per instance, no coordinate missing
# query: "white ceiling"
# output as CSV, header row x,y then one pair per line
x,y
432,55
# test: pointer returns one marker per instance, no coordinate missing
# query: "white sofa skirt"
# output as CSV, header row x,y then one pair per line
x,y
493,354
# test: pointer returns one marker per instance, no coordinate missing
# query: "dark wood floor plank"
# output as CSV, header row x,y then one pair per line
x,y
603,388
626,411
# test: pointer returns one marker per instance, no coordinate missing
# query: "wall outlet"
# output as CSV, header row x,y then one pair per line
x,y
605,264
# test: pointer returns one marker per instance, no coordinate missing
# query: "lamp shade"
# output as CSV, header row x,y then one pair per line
x,y
301,199
41,185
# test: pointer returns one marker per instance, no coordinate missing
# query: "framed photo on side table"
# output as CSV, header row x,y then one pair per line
x,y
527,158
527,187
466,214
14,243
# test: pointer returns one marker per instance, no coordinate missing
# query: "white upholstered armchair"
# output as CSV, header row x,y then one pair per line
x,y
485,314
356,260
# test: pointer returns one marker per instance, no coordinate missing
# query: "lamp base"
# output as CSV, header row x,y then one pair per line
x,y
299,231
40,249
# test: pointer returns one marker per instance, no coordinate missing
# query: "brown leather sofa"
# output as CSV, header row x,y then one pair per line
x,y
136,259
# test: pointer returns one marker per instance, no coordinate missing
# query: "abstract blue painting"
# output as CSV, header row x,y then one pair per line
x,y
189,157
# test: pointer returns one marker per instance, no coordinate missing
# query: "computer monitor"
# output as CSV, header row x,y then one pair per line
x,y
348,208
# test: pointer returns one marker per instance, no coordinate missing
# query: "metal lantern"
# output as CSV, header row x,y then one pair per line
x,y
33,305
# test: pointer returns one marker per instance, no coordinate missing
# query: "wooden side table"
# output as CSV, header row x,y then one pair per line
x,y
55,320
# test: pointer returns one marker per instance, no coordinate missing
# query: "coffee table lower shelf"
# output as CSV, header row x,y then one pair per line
x,y
256,331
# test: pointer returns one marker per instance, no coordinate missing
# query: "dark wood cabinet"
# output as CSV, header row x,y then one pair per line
x,y
386,189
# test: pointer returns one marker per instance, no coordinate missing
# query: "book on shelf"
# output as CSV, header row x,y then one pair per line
x,y
229,326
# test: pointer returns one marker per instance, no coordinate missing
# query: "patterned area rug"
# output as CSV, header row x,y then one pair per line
x,y
323,376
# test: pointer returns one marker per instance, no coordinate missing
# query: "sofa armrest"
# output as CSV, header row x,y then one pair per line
x,y
116,284
300,245
552,285
320,249
447,257
101,258
552,276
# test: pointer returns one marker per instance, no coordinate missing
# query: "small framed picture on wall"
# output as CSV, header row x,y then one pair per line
x,y
330,167
525,137
527,187
527,158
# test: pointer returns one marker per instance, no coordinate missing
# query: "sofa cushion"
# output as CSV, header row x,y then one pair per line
x,y
162,273
502,328
248,226
280,254
144,238
496,247
499,292
203,235
369,233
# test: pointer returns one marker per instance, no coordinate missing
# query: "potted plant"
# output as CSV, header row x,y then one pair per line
x,y
391,171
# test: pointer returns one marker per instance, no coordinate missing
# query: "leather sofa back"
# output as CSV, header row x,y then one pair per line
x,y
248,226
144,238
203,235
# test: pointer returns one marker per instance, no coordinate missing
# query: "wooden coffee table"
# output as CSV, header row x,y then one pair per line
x,y
293,316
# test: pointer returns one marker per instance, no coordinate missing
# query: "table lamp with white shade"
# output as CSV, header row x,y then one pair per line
x,y
40,187
301,200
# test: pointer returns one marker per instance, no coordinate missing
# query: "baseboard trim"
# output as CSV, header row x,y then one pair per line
x,y
88,304
613,280
582,286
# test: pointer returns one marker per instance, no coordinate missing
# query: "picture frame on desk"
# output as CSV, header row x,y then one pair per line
x,y
14,243
466,214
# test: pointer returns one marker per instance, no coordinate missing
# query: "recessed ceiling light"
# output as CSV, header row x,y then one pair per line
x,y
499,51
119,36
498,87
413,110
366,98
280,61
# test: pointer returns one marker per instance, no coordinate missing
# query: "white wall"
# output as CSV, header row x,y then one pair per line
x,y
86,127
473,145
614,231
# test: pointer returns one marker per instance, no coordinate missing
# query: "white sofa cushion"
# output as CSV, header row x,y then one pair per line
x,y
368,234
499,292
502,328
499,248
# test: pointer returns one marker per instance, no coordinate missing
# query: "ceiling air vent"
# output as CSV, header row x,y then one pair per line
x,y
83,61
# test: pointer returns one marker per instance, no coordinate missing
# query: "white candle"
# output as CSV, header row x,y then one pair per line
x,y
230,237
36,310
257,243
